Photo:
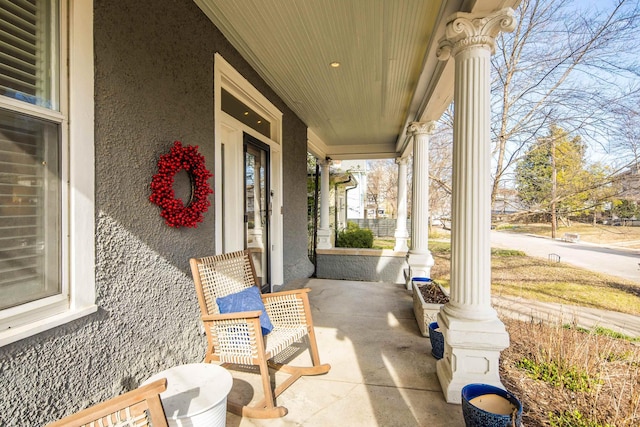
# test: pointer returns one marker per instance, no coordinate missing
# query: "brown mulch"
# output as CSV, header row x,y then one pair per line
x,y
432,294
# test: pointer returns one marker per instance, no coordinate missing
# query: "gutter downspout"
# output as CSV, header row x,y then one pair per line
x,y
335,210
346,199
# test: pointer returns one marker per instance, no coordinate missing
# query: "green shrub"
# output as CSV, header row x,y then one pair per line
x,y
573,419
571,378
355,237
599,330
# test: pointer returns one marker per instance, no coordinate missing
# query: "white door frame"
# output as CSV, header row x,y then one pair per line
x,y
229,201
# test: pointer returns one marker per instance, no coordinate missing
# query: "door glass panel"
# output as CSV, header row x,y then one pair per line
x,y
257,209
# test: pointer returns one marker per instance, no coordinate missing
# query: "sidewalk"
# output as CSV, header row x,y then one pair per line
x,y
585,317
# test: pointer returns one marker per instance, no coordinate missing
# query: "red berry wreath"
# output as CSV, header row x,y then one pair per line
x,y
175,213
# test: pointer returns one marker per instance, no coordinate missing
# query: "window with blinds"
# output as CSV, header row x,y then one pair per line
x,y
30,147
29,48
29,209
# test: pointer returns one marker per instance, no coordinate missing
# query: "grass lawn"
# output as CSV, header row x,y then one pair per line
x,y
515,274
565,377
600,234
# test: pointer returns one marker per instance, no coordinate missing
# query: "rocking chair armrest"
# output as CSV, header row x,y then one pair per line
x,y
230,316
285,293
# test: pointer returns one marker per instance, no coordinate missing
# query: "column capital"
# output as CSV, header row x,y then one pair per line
x,y
402,160
465,30
421,128
323,162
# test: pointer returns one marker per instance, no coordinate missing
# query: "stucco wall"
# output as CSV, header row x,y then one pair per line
x,y
153,85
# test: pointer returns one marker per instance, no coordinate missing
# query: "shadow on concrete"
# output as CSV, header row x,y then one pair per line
x,y
382,371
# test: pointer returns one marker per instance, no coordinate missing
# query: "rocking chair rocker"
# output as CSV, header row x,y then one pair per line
x,y
237,338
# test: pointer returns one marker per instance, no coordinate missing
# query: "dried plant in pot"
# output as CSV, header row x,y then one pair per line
x,y
428,298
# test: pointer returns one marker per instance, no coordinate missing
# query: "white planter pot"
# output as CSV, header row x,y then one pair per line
x,y
425,312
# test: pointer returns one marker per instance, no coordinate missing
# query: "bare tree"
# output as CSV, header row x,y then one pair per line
x,y
625,137
563,65
440,160
382,185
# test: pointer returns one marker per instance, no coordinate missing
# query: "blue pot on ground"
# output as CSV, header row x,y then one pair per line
x,y
437,340
484,405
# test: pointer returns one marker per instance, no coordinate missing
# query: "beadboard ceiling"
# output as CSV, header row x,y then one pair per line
x,y
386,51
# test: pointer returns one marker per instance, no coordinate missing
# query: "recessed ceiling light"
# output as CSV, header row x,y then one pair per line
x,y
335,64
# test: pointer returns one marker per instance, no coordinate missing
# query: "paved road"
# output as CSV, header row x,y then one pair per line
x,y
616,262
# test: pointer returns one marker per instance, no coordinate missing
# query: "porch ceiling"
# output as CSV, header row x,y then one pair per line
x,y
388,74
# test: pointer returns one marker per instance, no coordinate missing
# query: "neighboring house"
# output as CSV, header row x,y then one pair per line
x,y
342,183
356,196
95,290
507,202
630,184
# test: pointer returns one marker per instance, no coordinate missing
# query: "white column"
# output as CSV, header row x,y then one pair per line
x,y
324,232
402,234
474,336
419,258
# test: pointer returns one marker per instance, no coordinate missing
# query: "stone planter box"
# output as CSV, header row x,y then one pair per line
x,y
425,312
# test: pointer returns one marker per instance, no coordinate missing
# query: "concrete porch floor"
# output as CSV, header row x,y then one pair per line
x,y
382,372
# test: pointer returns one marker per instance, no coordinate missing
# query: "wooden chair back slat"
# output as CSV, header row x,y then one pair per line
x,y
141,407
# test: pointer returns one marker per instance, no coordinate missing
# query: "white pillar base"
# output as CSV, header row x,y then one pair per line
x,y
324,239
420,264
401,241
471,354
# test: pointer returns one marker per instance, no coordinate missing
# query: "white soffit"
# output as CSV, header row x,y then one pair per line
x,y
381,46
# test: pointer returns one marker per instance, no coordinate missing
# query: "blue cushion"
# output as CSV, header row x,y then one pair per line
x,y
248,299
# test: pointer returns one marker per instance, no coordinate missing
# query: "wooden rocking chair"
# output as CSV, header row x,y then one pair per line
x,y
141,407
237,338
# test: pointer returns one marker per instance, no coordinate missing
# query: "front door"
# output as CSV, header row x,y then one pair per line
x,y
257,207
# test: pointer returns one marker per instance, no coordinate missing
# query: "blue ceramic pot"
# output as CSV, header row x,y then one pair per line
x,y
485,405
437,341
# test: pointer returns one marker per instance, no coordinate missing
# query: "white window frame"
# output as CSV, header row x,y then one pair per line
x,y
76,119
225,76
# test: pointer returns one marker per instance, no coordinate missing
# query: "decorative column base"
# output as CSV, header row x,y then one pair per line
x,y
420,264
324,239
471,354
401,241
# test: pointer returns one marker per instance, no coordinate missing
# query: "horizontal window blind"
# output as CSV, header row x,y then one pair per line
x,y
29,209
27,60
